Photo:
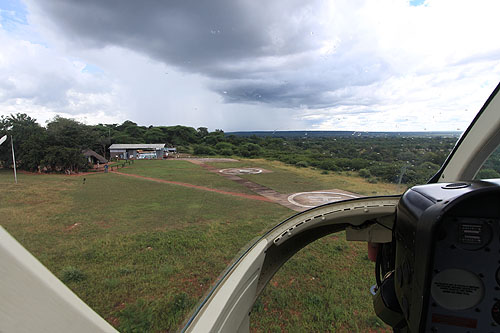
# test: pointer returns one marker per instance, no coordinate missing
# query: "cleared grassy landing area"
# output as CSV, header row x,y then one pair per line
x,y
289,179
142,254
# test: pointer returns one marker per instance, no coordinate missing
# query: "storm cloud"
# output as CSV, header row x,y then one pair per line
x,y
286,54
267,64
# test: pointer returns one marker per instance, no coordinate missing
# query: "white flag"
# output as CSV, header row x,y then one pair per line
x,y
2,140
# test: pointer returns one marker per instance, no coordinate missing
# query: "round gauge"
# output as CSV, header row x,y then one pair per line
x,y
457,289
495,312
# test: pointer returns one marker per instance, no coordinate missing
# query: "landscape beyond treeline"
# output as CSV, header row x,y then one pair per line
x,y
409,158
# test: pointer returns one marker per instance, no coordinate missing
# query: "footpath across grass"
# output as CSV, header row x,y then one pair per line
x,y
142,254
183,171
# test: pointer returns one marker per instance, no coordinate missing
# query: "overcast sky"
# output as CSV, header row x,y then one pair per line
x,y
381,65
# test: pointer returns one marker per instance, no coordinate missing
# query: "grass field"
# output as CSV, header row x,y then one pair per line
x,y
183,171
289,179
142,253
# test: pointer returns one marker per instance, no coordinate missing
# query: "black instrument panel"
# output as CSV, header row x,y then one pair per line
x,y
447,262
464,290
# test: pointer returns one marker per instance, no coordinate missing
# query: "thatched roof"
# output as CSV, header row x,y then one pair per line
x,y
90,152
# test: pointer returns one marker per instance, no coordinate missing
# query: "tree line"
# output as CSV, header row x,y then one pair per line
x,y
58,146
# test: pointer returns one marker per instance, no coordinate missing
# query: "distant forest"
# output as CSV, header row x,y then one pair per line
x,y
404,158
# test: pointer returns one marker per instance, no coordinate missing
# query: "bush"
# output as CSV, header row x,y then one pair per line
x,y
365,173
302,164
72,274
250,150
224,148
203,150
328,165
226,152
487,174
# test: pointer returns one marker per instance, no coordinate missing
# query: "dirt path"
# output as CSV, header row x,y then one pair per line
x,y
261,190
235,194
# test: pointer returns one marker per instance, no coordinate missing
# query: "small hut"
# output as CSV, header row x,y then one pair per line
x,y
93,157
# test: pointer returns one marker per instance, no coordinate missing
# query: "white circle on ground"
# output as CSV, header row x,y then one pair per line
x,y
241,171
319,198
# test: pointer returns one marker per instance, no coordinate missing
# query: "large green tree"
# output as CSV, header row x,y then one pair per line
x,y
29,141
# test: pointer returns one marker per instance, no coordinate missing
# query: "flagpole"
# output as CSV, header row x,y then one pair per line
x,y
13,158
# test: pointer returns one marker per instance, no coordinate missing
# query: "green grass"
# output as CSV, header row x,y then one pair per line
x,y
290,179
132,240
315,292
183,171
142,254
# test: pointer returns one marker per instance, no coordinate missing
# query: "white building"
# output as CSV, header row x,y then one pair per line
x,y
137,151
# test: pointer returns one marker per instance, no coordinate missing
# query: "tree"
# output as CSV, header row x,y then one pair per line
x,y
154,135
29,141
203,150
130,128
67,132
202,132
224,148
214,137
250,150
66,139
180,135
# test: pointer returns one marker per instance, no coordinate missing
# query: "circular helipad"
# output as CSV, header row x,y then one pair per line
x,y
241,171
313,199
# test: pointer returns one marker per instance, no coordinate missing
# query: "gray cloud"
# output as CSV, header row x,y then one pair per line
x,y
255,52
318,64
187,33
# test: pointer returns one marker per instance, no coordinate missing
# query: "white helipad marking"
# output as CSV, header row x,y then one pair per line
x,y
323,199
235,171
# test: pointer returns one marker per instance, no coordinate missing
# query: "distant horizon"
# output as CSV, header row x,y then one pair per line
x,y
349,131
330,134
248,131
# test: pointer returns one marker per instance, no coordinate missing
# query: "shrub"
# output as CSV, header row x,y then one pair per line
x,y
224,148
302,164
487,174
226,152
365,173
250,150
203,150
328,165
72,274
